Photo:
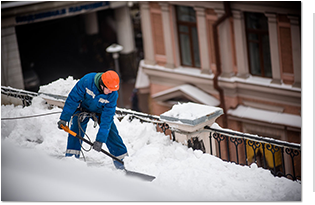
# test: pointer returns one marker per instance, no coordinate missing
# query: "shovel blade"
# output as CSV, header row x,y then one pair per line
x,y
138,175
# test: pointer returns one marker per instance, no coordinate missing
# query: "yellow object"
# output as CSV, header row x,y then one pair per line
x,y
268,154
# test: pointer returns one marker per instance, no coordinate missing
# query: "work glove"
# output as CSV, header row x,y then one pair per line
x,y
62,122
97,146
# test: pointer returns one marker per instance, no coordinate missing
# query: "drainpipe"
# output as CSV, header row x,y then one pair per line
x,y
226,15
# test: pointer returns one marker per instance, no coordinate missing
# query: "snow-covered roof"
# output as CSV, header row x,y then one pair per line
x,y
266,116
31,165
187,90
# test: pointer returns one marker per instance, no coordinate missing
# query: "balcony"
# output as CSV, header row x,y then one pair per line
x,y
282,158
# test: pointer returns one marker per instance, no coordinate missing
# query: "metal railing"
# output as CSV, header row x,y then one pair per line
x,y
280,157
23,95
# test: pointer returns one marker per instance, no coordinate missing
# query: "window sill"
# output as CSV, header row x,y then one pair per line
x,y
260,81
194,72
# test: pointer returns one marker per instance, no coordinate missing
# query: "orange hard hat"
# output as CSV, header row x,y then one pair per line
x,y
111,80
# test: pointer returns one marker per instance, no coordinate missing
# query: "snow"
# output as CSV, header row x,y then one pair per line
x,y
190,111
114,48
179,70
256,80
253,80
194,92
59,87
34,167
267,116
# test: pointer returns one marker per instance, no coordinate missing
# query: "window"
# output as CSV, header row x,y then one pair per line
x,y
258,44
188,36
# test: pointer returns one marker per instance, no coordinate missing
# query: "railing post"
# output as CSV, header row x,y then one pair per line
x,y
292,153
216,136
293,167
188,124
228,149
236,142
245,147
264,154
282,156
210,138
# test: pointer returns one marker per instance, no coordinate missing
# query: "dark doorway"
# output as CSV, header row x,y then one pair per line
x,y
60,48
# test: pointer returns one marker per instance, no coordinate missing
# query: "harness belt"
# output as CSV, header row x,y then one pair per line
x,y
84,113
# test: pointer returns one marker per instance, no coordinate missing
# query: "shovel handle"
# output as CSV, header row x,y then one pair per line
x,y
67,129
129,173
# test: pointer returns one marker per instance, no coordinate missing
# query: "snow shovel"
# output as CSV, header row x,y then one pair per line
x,y
128,173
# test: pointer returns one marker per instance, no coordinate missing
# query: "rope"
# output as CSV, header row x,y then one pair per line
x,y
89,115
23,117
82,116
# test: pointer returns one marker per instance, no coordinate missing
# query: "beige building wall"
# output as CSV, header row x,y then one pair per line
x,y
281,93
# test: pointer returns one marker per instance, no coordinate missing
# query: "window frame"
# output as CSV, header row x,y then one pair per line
x,y
190,26
260,33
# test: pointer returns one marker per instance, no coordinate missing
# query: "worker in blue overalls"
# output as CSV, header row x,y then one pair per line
x,y
95,93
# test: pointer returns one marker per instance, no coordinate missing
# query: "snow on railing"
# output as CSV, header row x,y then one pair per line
x,y
25,96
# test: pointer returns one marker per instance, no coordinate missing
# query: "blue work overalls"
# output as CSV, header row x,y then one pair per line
x,y
86,96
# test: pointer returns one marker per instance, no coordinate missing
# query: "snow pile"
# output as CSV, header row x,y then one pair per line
x,y
59,87
190,111
34,169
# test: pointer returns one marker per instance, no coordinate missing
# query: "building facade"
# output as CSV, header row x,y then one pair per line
x,y
55,39
242,56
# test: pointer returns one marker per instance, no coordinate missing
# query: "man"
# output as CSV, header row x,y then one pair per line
x,y
94,93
